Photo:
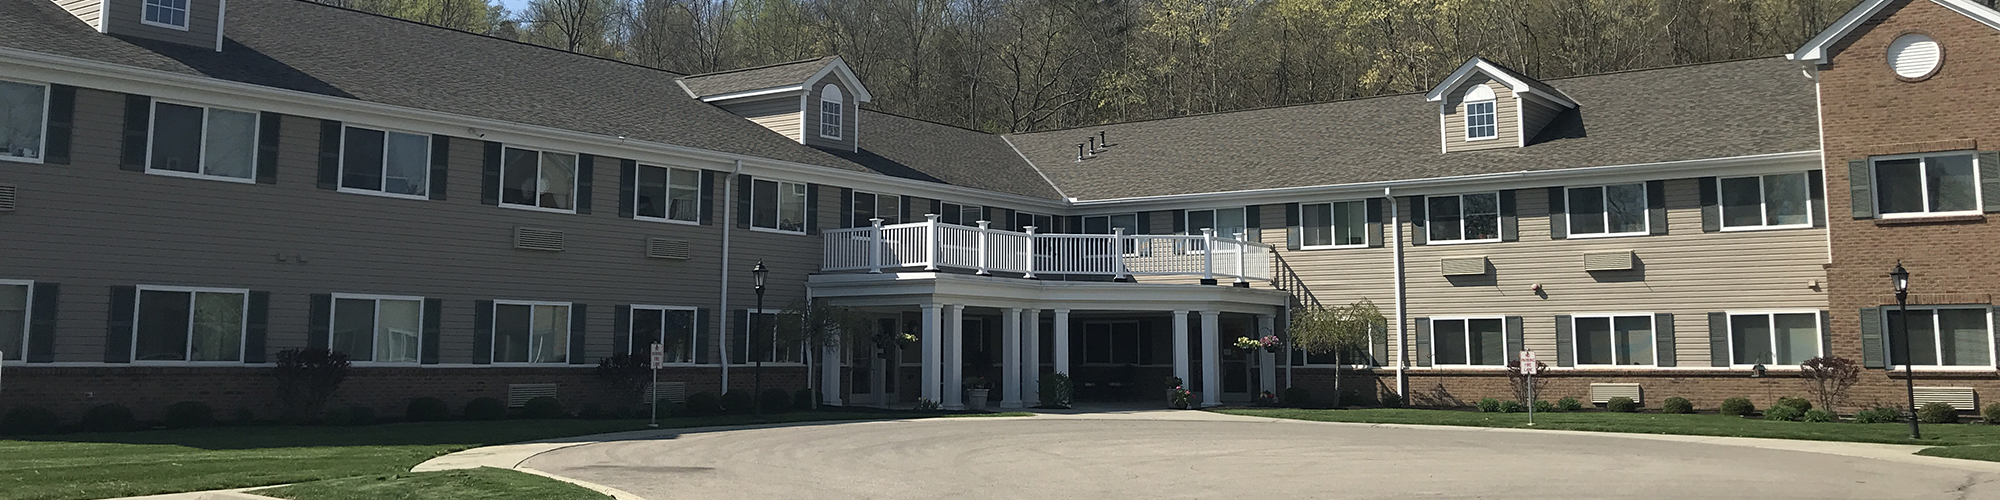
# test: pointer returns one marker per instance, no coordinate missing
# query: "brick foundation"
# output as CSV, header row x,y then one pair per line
x,y
1706,389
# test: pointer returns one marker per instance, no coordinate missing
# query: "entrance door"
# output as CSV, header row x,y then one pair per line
x,y
871,377
1239,367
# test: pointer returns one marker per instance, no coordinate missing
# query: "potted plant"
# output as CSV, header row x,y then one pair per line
x,y
1179,398
975,393
1248,344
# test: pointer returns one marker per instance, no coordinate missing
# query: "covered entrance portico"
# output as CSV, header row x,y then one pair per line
x,y
1017,310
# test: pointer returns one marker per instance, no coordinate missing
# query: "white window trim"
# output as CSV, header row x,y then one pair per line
x,y
341,183
1763,205
670,196
838,114
1330,227
1729,330
1603,195
748,361
1505,349
694,334
187,350
186,15
152,121
28,316
537,207
1652,339
1497,229
1467,121
41,150
335,306
492,354
1889,345
1875,186
779,208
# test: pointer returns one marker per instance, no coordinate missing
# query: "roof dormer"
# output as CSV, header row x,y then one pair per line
x,y
188,22
1484,105
815,102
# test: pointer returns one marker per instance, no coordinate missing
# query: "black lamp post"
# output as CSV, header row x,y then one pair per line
x,y
1901,279
757,332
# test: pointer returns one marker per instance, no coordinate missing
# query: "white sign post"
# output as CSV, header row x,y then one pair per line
x,y
659,358
1528,369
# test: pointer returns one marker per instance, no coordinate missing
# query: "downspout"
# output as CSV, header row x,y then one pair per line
x,y
1402,300
728,223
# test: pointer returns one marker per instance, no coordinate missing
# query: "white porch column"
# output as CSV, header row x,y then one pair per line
x,y
1211,359
829,374
1062,341
1010,359
933,378
1267,362
1031,356
1181,348
954,362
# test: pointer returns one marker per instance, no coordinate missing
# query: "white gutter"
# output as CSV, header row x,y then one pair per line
x,y
1402,302
728,223
747,93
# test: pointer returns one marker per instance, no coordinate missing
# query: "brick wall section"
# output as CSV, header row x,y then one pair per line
x,y
1866,110
1705,388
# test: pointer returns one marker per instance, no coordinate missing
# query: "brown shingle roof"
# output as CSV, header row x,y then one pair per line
x,y
758,78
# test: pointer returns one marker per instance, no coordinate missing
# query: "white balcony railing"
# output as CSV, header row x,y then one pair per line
x,y
933,245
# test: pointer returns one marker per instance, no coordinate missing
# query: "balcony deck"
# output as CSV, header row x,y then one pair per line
x,y
932,246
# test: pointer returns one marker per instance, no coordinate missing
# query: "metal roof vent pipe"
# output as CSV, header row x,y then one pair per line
x,y
1102,141
1093,145
1079,151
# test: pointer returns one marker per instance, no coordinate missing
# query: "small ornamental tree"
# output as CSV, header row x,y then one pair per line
x,y
1343,332
1828,378
815,326
307,378
627,374
1519,381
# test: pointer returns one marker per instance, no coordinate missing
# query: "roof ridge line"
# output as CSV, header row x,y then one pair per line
x,y
484,35
754,68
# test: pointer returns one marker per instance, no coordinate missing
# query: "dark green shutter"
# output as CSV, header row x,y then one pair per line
x,y
1179,222
579,333
1656,207
1380,349
1718,339
1825,332
1510,223
489,174
628,188
42,323
1564,355
1989,180
1372,213
586,166
1420,232
908,205
1253,217
62,124
319,321
1293,229
433,335
743,182
329,154
1859,196
257,327
267,146
812,209
1711,204
1516,337
847,208
1558,214
704,339
739,328
937,207
1145,222
621,332
118,328
1816,192
1423,342
440,165
1872,340
1663,340
707,197
482,332
132,154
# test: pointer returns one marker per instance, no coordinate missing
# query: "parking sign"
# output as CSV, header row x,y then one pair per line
x,y
659,356
1527,362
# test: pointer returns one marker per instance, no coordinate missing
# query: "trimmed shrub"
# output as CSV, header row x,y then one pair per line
x,y
1799,403
485,409
1818,415
245,417
544,407
1512,406
1991,414
1740,407
1489,405
668,409
187,414
804,399
358,415
1057,391
737,402
704,403
1783,413
1569,404
1544,406
1298,396
1937,413
1878,415
1391,400
426,410
109,418
1621,404
24,420
593,411
1676,404
776,400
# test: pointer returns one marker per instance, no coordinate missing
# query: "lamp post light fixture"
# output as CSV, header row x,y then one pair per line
x,y
757,332
1900,278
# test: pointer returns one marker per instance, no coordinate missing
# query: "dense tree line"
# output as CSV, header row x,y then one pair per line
x,y
1021,65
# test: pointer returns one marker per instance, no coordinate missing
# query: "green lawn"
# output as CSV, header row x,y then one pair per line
x,y
100,465
1950,439
471,484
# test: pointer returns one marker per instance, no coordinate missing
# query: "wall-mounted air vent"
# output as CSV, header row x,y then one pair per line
x,y
1602,393
670,391
667,248
519,394
1462,266
1960,398
1608,261
547,240
7,192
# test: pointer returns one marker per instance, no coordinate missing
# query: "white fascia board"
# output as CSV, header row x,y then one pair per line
x,y
747,93
853,81
1815,50
1480,65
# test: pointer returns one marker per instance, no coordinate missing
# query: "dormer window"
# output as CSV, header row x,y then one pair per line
x,y
166,14
1479,114
829,112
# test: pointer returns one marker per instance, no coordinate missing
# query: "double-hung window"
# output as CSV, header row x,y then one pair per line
x,y
189,324
1765,201
868,206
1933,184
14,304
538,179
166,14
530,332
1778,339
386,162
1042,223
963,215
769,346
830,99
1226,222
377,328
1941,336
778,205
197,141
1103,224
1613,210
24,110
669,194
1463,218
1481,118
671,327
1333,225
1469,342
1613,340
1111,343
